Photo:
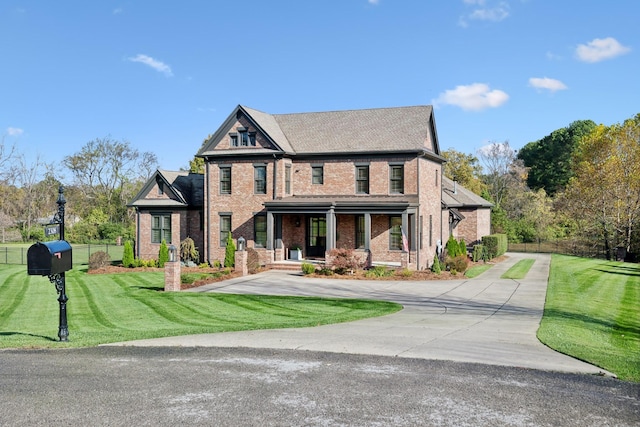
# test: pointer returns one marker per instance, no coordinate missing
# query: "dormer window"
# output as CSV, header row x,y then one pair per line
x,y
243,138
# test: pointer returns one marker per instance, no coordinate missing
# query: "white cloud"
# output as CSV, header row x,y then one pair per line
x,y
153,63
14,131
600,49
484,12
473,97
551,85
374,1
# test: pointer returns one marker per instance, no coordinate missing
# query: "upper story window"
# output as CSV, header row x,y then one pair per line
x,y
225,179
243,138
362,179
161,228
396,179
287,179
317,174
260,179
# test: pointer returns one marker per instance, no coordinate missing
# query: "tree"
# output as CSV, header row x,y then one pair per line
x,y
163,254
499,164
464,168
107,174
230,252
604,193
549,159
6,156
127,254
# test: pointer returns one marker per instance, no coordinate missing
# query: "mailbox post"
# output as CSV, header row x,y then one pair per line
x,y
52,259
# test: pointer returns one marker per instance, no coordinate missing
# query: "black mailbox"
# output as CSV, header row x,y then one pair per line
x,y
47,258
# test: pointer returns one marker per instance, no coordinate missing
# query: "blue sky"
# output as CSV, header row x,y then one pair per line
x,y
165,74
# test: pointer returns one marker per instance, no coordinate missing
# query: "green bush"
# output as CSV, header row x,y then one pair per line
x,y
98,260
453,247
308,268
462,247
127,255
163,254
495,245
457,264
217,264
230,252
325,271
379,271
435,267
479,253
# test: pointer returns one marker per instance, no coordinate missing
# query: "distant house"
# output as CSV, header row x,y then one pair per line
x,y
369,180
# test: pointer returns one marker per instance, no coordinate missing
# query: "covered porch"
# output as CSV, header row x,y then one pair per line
x,y
380,230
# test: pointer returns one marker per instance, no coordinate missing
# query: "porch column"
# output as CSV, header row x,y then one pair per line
x,y
331,230
367,231
269,230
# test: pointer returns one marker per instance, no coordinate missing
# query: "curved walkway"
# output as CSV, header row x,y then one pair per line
x,y
485,320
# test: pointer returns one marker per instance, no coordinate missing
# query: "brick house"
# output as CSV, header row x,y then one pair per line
x,y
369,180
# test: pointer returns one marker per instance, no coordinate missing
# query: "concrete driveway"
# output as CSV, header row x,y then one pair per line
x,y
485,320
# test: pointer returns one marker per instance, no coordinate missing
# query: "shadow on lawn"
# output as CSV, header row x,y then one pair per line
x,y
622,328
28,335
626,270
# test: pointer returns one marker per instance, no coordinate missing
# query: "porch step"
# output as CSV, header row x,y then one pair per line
x,y
289,266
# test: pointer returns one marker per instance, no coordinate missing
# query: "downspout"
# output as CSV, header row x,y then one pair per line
x,y
275,176
138,233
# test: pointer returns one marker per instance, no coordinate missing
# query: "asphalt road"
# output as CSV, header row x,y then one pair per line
x,y
151,386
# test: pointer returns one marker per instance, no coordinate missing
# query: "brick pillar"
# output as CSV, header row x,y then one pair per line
x,y
404,260
241,262
172,276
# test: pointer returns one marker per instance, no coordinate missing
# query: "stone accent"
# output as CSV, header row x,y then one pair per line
x,y
241,263
172,276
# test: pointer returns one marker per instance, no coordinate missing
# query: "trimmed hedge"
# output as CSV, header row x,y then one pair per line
x,y
495,245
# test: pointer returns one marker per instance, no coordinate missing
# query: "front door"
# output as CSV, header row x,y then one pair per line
x,y
316,236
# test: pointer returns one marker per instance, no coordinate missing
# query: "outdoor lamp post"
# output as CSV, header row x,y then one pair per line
x,y
241,243
173,253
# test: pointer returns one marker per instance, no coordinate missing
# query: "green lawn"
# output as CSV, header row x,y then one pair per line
x,y
592,312
477,270
519,270
122,307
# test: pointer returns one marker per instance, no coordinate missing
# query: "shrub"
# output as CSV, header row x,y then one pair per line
x,y
495,245
378,271
203,265
436,268
325,271
217,264
479,253
308,268
188,250
163,254
453,247
405,272
462,247
127,255
457,264
344,260
99,259
230,252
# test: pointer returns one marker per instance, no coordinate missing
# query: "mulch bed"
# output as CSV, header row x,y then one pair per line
x,y
357,275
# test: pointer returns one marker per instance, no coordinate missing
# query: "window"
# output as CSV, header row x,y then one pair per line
x,y
287,179
260,179
362,179
359,231
396,179
395,233
161,228
260,231
225,228
225,179
317,175
243,138
247,139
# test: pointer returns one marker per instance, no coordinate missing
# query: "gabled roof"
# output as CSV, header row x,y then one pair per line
x,y
455,195
180,188
399,129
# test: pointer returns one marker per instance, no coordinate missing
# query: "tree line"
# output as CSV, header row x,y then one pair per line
x,y
99,180
579,183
